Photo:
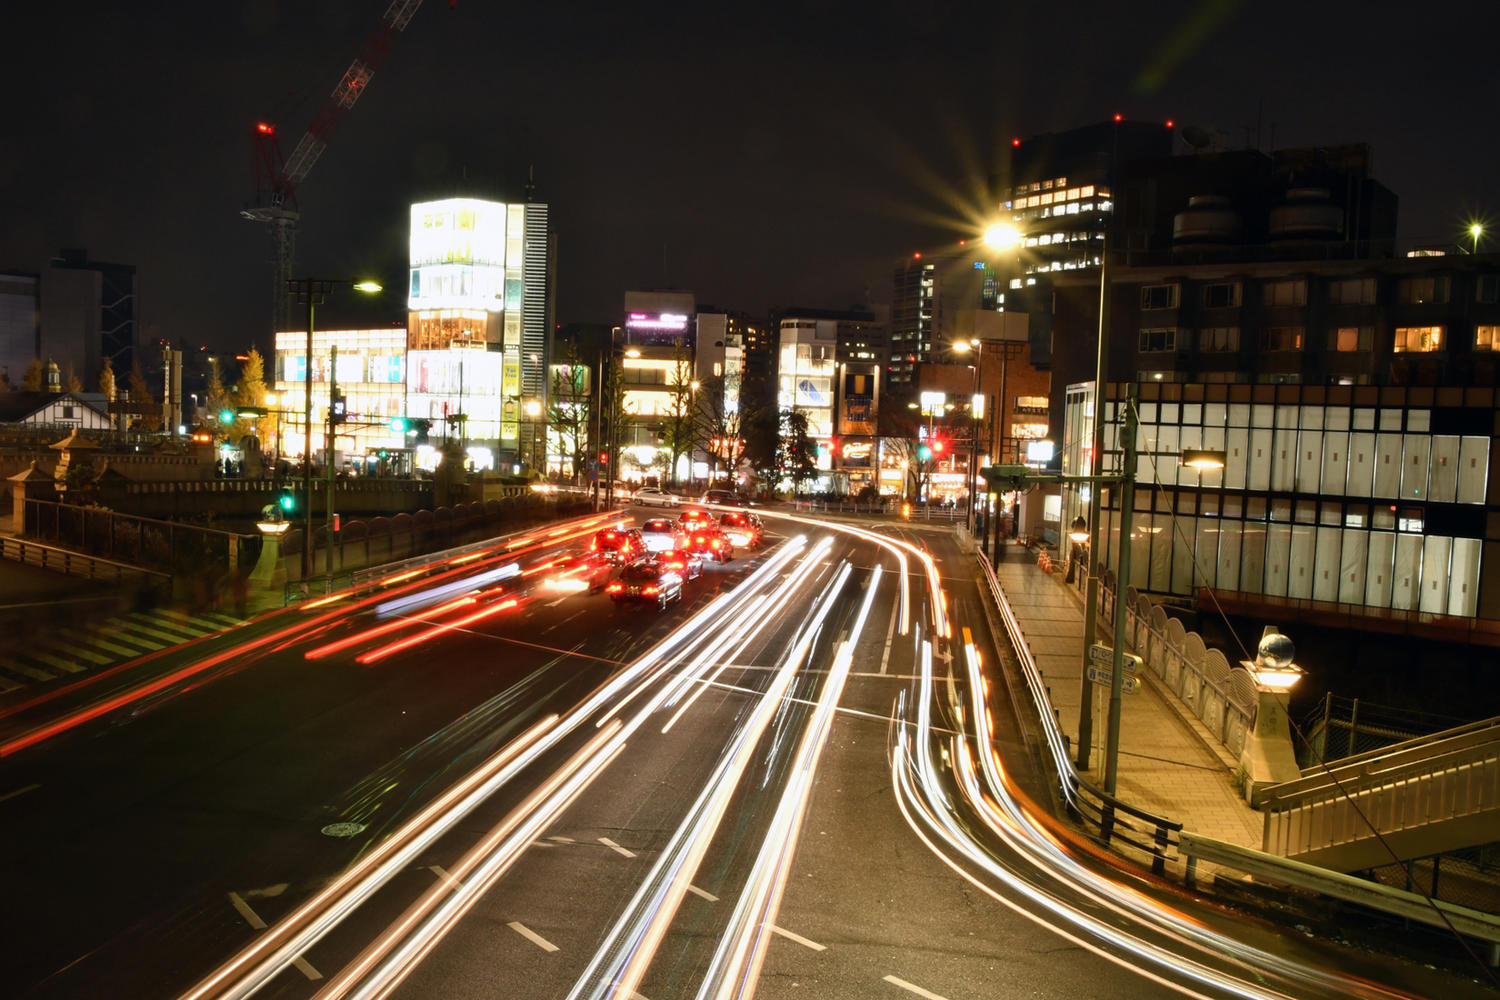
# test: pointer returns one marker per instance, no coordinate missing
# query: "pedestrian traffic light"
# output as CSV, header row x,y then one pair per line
x,y
288,500
339,411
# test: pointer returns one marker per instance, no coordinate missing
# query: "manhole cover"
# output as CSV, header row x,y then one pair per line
x,y
342,829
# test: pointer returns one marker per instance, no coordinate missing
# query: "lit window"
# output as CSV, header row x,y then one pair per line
x,y
1418,339
1087,191
1351,338
1487,338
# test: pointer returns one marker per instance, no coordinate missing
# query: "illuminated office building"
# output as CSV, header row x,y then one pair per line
x,y
370,376
480,281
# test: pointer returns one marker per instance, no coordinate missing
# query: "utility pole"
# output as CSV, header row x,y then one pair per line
x,y
1122,563
333,396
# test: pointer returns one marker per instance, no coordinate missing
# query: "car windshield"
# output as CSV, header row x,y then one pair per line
x,y
640,572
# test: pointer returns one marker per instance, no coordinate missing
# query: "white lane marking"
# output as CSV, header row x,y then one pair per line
x,y
442,873
913,988
804,942
19,791
253,919
699,892
531,935
616,847
553,604
890,633
562,840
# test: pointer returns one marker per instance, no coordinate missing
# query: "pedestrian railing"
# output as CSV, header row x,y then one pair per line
x,y
80,564
1222,697
1113,822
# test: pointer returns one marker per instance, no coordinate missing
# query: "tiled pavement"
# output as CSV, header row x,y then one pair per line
x,y
1166,766
71,652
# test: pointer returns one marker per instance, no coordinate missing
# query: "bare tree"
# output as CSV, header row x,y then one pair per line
x,y
679,430
719,427
568,408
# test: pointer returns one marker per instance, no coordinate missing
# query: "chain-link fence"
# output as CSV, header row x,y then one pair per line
x,y
1468,878
1343,727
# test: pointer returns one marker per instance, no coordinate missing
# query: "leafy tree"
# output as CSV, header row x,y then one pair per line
x,y
568,409
797,455
719,420
107,380
762,433
679,427
140,392
251,391
32,380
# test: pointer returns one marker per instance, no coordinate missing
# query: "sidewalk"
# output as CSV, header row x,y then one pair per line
x,y
1166,766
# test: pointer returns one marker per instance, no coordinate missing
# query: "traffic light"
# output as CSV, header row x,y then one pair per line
x,y
938,445
1006,478
398,424
226,416
287,501
924,452
339,411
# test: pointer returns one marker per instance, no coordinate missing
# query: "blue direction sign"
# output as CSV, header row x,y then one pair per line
x,y
1103,675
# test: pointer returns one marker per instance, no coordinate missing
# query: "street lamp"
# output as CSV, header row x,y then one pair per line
x,y
1476,230
313,292
1269,756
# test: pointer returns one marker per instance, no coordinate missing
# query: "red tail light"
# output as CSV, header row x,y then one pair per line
x,y
615,588
649,589
715,543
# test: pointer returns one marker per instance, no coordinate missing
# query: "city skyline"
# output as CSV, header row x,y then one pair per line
x,y
635,129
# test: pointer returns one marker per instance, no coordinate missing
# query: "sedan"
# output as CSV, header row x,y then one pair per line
x,y
648,582
651,496
682,561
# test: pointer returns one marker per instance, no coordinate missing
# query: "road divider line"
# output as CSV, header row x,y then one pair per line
x,y
913,988
19,791
251,917
798,938
532,936
442,873
624,852
702,894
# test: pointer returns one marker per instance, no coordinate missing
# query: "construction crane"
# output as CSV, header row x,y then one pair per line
x,y
277,178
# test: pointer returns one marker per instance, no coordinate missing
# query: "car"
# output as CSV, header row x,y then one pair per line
x,y
663,533
571,573
651,496
742,528
648,582
692,516
707,540
684,561
620,544
726,497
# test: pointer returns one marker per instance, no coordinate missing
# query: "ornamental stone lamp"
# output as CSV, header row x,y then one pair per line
x,y
1269,757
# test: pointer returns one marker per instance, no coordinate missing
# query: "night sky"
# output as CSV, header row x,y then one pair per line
x,y
758,155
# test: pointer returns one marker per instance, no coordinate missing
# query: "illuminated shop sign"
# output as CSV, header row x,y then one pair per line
x,y
664,321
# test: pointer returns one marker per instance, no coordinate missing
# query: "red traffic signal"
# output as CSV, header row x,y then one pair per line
x,y
938,446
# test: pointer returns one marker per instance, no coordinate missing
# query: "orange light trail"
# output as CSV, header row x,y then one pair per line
x,y
437,630
386,629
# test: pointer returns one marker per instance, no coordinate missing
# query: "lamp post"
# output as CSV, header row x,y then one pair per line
x,y
1269,757
313,292
1476,230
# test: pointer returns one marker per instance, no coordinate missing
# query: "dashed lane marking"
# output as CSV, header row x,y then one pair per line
x,y
19,791
913,988
442,873
558,838
616,847
531,935
253,919
804,942
699,892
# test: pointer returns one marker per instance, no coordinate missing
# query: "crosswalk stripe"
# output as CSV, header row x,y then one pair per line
x,y
120,635
17,666
6,684
60,663
219,621
118,649
168,625
80,649
167,637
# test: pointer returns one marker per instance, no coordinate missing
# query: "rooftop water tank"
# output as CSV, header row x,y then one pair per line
x,y
1306,214
1208,220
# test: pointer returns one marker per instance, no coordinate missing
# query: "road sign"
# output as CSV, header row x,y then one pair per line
x,y
1105,657
1102,676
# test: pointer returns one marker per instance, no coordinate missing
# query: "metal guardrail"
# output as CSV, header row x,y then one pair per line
x,y
78,564
1336,885
1114,820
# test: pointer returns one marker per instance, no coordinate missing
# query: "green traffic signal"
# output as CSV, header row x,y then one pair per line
x,y
924,453
288,501
398,424
226,416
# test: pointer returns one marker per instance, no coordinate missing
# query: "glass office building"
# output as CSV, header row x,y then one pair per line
x,y
1376,498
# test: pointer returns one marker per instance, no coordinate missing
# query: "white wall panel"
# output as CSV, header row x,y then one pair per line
x,y
1416,451
1352,556
1309,461
1473,469
1435,552
1284,460
1442,477
1301,564
1278,553
1463,577
1387,466
1361,465
1259,474
1226,568
1161,535
1327,568
1236,457
1335,471
1380,569
1406,579
1253,557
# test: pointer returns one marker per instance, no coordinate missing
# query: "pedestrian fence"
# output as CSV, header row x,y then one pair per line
x,y
1162,842
1344,727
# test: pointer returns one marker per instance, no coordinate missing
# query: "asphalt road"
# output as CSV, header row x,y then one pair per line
x,y
558,798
